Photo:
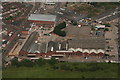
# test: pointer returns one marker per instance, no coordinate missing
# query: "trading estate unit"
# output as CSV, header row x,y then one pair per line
x,y
43,20
27,46
76,47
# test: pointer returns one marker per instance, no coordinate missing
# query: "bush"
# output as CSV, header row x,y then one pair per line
x,y
14,62
63,67
106,29
74,22
55,67
9,18
40,62
106,54
95,68
52,61
66,4
26,63
62,25
107,25
67,67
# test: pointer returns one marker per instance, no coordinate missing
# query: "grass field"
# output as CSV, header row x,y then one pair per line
x,y
93,9
109,71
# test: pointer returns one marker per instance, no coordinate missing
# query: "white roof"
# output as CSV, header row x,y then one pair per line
x,y
64,51
50,2
42,17
100,26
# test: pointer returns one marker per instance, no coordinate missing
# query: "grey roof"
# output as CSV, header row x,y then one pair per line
x,y
42,17
29,42
42,47
55,46
33,48
63,45
87,43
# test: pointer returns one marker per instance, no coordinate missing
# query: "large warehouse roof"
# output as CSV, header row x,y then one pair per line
x,y
87,43
42,17
29,43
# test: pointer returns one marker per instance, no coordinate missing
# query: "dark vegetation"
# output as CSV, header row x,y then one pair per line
x,y
58,29
53,68
28,63
95,8
74,22
107,25
55,65
105,5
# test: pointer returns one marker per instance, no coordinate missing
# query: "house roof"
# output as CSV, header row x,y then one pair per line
x,y
42,17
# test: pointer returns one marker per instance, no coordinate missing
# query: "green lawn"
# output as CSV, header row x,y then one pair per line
x,y
46,71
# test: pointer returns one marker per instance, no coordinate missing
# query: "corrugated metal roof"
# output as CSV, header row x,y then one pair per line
x,y
53,44
29,42
42,47
42,17
87,43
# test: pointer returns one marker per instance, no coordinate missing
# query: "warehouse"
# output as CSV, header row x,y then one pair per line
x,y
44,20
87,45
29,45
90,46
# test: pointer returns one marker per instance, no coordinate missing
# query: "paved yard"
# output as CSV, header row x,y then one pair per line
x,y
75,31
112,34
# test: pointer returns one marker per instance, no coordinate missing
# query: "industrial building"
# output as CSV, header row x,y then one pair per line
x,y
28,46
87,45
43,19
57,46
74,47
84,45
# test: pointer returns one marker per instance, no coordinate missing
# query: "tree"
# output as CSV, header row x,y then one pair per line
x,y
106,54
40,62
26,63
66,4
9,18
94,4
14,62
107,25
62,25
106,29
82,77
57,29
109,61
52,61
74,22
